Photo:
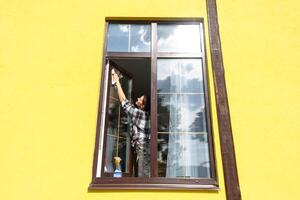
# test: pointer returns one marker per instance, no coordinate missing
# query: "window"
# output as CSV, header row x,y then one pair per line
x,y
167,61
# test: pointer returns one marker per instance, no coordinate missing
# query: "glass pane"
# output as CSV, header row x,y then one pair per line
x,y
181,113
110,147
118,138
118,37
117,146
129,38
178,38
113,110
140,38
191,76
126,83
182,128
124,152
114,94
168,75
182,155
179,76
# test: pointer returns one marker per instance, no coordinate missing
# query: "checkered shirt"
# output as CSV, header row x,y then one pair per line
x,y
140,125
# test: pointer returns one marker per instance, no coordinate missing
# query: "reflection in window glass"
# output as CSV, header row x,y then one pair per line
x,y
140,38
183,155
179,113
129,38
118,37
178,38
182,130
180,75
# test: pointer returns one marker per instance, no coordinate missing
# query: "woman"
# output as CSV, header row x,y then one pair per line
x,y
139,127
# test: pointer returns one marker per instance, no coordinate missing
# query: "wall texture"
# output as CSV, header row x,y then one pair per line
x,y
50,68
261,48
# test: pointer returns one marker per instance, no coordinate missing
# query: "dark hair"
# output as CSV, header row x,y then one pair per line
x,y
146,103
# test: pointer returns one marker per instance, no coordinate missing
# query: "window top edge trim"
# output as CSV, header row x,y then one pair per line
x,y
153,19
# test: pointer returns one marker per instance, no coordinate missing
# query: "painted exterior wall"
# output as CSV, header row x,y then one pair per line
x,y
261,50
50,68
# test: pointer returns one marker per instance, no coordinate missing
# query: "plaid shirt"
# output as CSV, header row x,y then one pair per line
x,y
140,125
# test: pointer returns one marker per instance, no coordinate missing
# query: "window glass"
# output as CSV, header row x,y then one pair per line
x,y
177,112
182,132
140,38
118,137
179,75
178,38
183,155
129,38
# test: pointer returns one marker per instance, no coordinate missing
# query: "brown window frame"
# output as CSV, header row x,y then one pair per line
x,y
155,182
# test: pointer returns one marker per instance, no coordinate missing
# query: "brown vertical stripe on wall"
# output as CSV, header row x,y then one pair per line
x,y
225,130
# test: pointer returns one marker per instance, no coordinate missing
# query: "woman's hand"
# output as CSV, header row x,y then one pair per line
x,y
117,85
115,77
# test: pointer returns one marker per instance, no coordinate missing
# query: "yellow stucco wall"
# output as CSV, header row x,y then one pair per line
x,y
261,50
50,67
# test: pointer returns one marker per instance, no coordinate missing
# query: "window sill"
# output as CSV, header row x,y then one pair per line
x,y
151,184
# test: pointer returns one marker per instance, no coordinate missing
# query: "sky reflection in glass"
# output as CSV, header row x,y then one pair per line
x,y
178,38
182,130
180,75
129,38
